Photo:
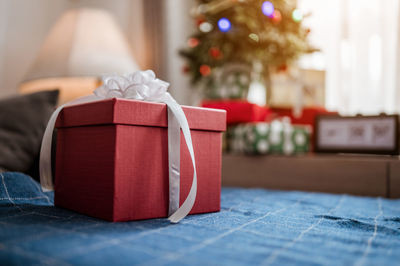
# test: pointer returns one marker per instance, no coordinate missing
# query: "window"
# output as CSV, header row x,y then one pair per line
x,y
359,51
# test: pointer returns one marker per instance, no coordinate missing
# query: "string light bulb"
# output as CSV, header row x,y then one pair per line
x,y
267,8
224,24
206,27
277,16
297,15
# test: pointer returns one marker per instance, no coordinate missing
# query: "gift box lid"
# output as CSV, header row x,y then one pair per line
x,y
134,112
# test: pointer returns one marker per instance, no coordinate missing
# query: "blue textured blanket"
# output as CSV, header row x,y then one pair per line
x,y
255,226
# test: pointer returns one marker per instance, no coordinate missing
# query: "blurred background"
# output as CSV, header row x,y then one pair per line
x,y
355,67
278,67
153,31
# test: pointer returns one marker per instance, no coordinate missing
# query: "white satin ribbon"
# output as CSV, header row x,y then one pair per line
x,y
140,85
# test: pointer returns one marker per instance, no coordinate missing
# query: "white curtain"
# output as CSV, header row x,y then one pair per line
x,y
360,47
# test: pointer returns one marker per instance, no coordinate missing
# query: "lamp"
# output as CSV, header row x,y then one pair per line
x,y
82,45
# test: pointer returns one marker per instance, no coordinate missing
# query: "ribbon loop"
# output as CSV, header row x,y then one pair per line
x,y
140,85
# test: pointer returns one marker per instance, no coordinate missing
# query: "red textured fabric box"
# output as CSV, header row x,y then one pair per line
x,y
239,111
112,159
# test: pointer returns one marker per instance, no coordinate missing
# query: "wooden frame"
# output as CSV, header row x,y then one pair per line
x,y
361,174
357,134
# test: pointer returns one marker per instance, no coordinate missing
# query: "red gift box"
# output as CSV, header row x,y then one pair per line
x,y
239,111
112,159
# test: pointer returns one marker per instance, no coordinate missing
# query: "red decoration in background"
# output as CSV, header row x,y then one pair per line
x,y
205,70
193,42
215,52
242,111
276,16
239,111
185,69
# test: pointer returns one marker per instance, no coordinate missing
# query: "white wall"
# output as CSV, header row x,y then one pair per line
x,y
178,26
24,24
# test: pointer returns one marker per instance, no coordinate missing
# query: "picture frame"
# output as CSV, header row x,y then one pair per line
x,y
357,134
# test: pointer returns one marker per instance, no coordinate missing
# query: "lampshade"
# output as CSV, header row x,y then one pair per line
x,y
83,45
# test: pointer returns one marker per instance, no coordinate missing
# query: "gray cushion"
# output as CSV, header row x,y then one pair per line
x,y
23,120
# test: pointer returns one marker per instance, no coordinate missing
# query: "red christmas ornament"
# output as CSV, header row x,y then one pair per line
x,y
215,52
276,16
193,42
205,70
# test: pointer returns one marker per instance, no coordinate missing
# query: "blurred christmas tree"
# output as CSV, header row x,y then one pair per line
x,y
236,39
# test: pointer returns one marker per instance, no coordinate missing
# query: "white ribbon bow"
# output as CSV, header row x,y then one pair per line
x,y
140,85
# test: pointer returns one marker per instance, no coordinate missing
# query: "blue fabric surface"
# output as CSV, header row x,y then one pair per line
x,y
254,227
